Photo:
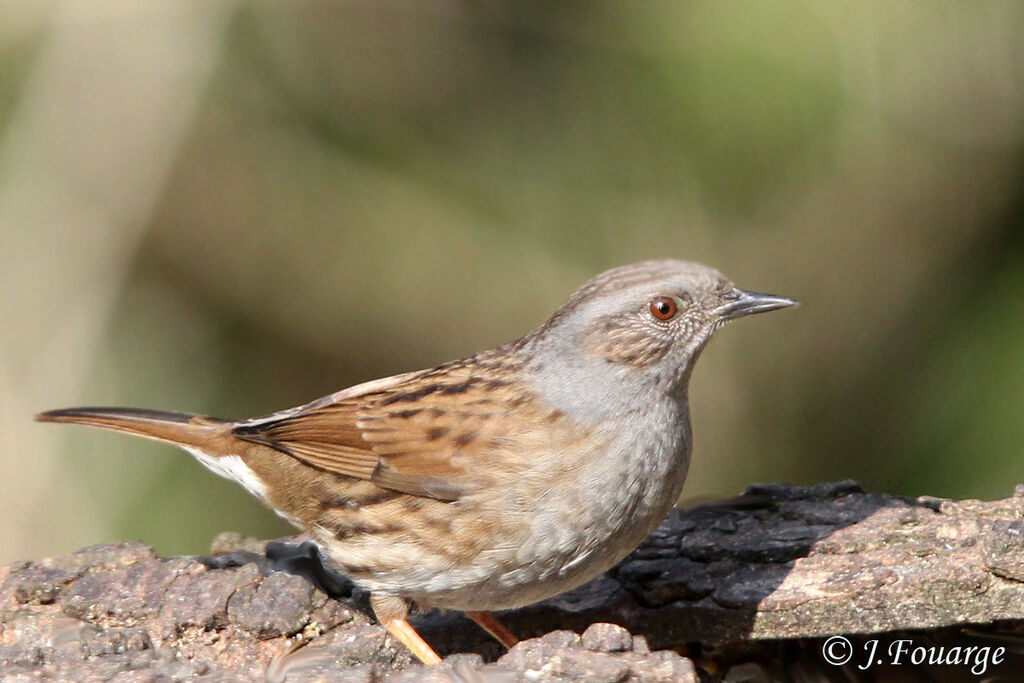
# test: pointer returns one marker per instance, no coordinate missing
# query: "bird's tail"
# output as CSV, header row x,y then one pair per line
x,y
182,429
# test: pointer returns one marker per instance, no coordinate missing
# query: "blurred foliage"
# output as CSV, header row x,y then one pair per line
x,y
365,188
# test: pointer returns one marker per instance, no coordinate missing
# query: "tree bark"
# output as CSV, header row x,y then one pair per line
x,y
733,582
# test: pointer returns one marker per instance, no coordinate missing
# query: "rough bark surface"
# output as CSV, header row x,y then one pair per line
x,y
775,564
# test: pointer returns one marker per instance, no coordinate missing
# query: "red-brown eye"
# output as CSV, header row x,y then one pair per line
x,y
664,308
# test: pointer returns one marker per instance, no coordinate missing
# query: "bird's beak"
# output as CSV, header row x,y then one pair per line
x,y
740,302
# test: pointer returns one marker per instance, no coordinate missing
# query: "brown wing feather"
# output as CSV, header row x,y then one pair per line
x,y
324,436
429,434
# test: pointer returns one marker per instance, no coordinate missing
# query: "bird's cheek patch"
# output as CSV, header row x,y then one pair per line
x,y
625,341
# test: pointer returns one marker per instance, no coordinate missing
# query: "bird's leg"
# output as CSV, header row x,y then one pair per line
x,y
490,623
391,611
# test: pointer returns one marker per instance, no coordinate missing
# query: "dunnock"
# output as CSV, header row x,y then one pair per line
x,y
494,481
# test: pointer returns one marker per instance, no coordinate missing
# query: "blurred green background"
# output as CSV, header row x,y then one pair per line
x,y
235,207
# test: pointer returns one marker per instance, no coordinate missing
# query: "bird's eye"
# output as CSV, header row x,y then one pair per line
x,y
664,308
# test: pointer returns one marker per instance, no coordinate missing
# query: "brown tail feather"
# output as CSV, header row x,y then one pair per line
x,y
183,429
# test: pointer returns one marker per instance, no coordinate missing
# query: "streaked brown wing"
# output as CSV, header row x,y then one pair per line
x,y
428,434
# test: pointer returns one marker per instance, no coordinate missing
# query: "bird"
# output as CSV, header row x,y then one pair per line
x,y
494,481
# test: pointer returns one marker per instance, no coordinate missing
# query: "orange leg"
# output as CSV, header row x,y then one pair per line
x,y
391,611
490,623
401,629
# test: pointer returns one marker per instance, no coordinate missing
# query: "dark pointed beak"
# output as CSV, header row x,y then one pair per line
x,y
740,302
